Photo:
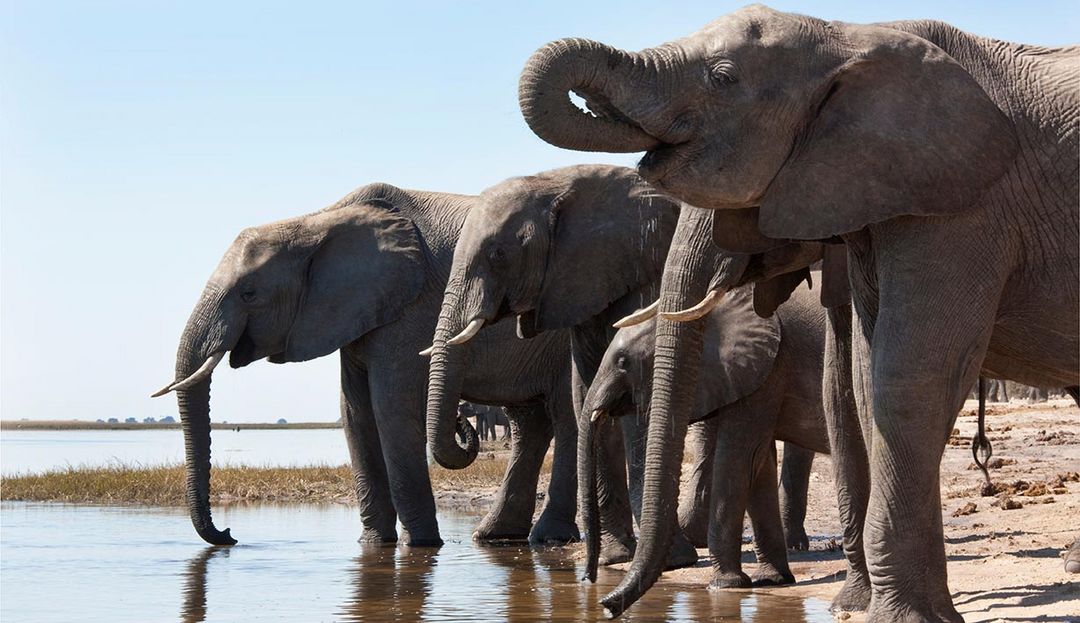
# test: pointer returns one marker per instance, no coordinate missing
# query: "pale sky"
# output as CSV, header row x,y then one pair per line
x,y
138,138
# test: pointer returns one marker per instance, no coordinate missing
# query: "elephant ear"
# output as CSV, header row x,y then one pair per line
x,y
835,287
902,129
772,293
745,345
737,231
366,267
608,240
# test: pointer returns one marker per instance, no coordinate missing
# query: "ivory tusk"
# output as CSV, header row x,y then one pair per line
x,y
597,414
470,331
639,316
427,351
697,311
204,371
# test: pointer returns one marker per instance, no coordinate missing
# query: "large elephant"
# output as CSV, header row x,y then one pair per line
x,y
761,380
946,163
366,276
577,247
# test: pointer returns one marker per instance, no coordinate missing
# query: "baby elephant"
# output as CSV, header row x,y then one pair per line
x,y
761,380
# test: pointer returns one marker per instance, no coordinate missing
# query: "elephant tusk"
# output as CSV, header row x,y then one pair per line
x,y
427,351
204,371
597,414
470,331
697,311
639,316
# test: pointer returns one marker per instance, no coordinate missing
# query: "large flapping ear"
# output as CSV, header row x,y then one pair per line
x,y
737,231
743,343
366,267
835,287
772,293
609,237
902,129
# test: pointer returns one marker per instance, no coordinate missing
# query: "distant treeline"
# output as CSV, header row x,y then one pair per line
x,y
85,425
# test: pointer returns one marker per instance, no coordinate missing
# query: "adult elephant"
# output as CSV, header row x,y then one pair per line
x,y
366,276
578,248
761,381
946,162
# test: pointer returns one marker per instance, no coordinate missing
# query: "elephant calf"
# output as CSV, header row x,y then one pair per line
x,y
761,380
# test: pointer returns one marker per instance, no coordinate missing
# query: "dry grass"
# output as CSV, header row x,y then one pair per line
x,y
165,485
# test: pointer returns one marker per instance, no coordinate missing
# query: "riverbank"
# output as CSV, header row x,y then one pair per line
x,y
88,425
164,485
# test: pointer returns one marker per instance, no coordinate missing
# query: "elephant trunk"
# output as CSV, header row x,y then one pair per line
x,y
595,71
194,405
444,389
690,265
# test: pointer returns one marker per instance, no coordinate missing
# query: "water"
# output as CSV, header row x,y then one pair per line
x,y
301,563
36,451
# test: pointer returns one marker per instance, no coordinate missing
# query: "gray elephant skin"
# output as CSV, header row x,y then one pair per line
x,y
366,276
572,248
945,162
760,382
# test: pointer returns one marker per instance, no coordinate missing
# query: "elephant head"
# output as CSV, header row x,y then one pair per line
x,y
291,291
553,250
825,127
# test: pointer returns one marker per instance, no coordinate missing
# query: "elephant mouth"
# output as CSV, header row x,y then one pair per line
x,y
246,351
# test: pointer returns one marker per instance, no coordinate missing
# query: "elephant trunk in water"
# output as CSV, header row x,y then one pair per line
x,y
690,266
596,72
194,354
444,389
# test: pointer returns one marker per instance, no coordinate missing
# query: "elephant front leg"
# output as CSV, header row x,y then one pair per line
x,y
510,517
764,510
557,525
794,488
694,501
369,470
851,465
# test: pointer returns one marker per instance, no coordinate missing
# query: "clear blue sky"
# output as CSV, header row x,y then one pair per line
x,y
139,137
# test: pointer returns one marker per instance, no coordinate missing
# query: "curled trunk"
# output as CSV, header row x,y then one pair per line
x,y
445,377
594,71
690,265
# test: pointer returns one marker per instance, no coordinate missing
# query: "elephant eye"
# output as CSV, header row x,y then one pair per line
x,y
722,72
621,362
497,255
247,296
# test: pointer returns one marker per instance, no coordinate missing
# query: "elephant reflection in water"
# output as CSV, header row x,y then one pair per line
x,y
540,584
390,584
193,606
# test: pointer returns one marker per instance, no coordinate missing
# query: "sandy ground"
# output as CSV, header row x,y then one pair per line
x,y
1004,565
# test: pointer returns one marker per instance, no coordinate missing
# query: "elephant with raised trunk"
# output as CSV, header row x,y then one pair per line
x,y
366,276
572,248
945,162
761,381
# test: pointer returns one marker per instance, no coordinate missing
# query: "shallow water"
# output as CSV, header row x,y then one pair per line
x,y
301,563
35,450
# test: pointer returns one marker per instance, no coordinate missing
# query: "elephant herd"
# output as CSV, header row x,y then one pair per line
x,y
829,219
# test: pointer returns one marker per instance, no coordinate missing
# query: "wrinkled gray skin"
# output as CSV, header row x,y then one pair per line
x,y
934,155
577,247
366,276
760,381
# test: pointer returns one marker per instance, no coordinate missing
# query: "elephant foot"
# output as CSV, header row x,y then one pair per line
x,y
879,612
729,579
614,551
682,553
797,540
768,575
554,531
493,529
854,596
1072,558
372,536
428,540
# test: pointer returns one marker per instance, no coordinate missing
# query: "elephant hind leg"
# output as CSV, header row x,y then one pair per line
x,y
556,524
764,510
794,488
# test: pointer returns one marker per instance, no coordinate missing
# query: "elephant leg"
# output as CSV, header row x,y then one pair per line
x,y
398,400
510,517
847,443
694,501
794,486
370,479
764,510
1072,558
730,498
557,525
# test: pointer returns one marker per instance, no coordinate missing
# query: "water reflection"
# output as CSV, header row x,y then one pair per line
x,y
193,609
389,584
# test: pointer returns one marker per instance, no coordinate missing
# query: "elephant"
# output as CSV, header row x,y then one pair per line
x,y
365,276
572,248
487,418
761,381
945,163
